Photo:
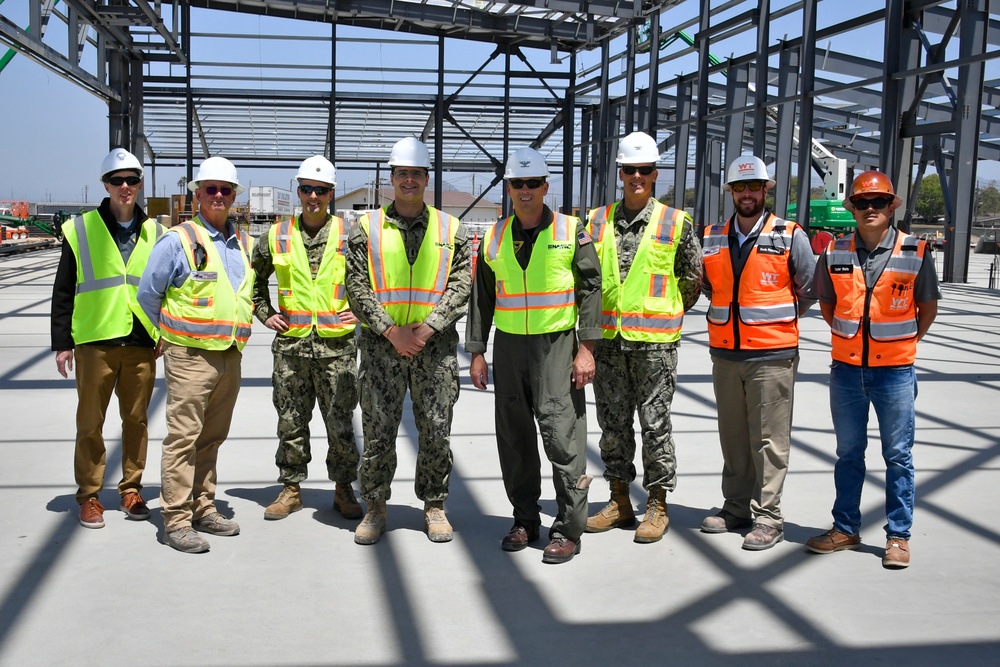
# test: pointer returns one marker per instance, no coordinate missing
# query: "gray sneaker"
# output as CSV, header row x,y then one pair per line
x,y
216,524
186,540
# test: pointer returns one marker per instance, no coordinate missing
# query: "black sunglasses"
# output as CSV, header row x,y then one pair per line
x,y
318,189
864,203
752,186
630,169
532,183
212,190
200,257
118,180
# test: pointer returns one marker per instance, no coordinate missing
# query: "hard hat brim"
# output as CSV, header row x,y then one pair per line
x,y
770,183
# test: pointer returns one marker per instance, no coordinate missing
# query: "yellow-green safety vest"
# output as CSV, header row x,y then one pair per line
x,y
106,286
409,293
542,298
306,302
204,312
648,306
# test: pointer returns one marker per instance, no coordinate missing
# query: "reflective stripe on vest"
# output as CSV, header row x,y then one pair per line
x,y
891,313
308,302
205,312
647,306
541,298
409,293
764,296
105,299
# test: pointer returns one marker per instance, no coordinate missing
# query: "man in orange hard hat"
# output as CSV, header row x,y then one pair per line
x,y
878,290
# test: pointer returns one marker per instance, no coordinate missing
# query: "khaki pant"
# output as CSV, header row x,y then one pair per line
x,y
202,387
129,371
755,425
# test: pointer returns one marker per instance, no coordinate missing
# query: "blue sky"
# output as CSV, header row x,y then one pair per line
x,y
54,135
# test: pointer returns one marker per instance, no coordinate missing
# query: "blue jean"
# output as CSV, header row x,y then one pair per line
x,y
892,391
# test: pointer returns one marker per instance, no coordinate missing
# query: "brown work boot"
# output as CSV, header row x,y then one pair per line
x,y
373,525
288,501
438,528
832,540
616,514
345,502
897,553
655,523
92,514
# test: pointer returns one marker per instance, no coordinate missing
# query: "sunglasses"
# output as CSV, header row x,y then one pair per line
x,y
118,180
864,203
319,190
752,186
200,257
630,169
532,183
212,190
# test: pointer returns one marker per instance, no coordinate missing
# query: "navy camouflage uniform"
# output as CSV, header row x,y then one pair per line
x,y
306,370
641,376
431,376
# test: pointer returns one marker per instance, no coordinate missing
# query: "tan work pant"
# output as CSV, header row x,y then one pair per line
x,y
129,371
202,387
755,429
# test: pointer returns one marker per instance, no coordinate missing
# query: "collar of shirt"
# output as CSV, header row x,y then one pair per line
x,y
741,238
547,218
641,219
419,221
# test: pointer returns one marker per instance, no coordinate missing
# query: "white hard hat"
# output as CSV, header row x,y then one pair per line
x,y
410,152
526,163
638,148
119,159
317,168
216,169
747,168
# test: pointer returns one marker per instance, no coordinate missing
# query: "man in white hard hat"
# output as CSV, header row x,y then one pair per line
x,y
878,290
651,274
408,281
197,289
97,321
757,274
539,280
315,356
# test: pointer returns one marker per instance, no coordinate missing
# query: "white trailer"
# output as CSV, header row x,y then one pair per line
x,y
266,200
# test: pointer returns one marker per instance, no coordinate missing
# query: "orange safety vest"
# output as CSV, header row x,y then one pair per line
x,y
885,316
759,309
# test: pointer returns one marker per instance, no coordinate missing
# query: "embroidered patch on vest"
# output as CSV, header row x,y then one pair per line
x,y
841,268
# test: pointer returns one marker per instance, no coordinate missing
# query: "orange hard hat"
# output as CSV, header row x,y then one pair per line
x,y
872,183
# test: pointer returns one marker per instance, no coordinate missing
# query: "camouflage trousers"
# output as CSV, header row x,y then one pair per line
x,y
432,380
627,381
298,382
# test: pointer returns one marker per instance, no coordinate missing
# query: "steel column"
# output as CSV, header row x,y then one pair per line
x,y
806,112
788,85
975,23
